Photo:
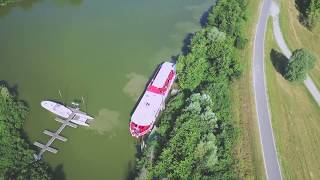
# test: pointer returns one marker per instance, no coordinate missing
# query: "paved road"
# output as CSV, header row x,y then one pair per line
x,y
286,51
271,162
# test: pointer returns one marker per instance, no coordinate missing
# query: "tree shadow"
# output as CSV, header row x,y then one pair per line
x,y
13,90
186,44
133,172
58,173
302,7
279,61
28,4
204,17
25,5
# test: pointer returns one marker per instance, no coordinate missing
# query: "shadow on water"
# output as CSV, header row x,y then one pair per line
x,y
25,5
203,23
68,2
186,44
58,173
12,89
28,4
204,17
133,172
279,61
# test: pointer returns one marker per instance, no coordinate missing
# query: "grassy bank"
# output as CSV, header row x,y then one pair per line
x,y
298,36
295,119
197,133
16,153
248,150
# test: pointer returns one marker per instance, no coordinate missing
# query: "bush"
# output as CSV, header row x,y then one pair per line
x,y
300,63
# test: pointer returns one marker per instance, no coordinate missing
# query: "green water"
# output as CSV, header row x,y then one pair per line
x,y
100,50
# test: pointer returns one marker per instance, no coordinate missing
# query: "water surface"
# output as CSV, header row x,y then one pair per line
x,y
101,51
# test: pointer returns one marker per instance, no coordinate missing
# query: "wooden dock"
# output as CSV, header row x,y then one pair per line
x,y
55,135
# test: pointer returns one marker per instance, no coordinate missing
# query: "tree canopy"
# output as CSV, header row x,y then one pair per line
x,y
211,55
195,134
16,156
313,13
300,63
229,16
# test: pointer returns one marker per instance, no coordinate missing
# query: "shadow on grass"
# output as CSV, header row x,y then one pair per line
x,y
302,7
279,61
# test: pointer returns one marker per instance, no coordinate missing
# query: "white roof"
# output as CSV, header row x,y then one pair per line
x,y
151,103
163,74
147,109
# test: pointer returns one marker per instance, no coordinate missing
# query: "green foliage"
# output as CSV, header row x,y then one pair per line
x,y
177,158
15,154
191,70
5,2
196,135
211,54
313,13
300,63
229,16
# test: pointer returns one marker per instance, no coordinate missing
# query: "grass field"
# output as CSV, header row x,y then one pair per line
x,y
248,150
298,36
295,119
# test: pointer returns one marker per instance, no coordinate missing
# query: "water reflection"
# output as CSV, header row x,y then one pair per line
x,y
68,2
105,122
28,4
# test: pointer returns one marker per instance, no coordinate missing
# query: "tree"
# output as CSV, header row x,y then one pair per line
x,y
16,156
229,16
221,54
313,13
192,68
211,54
190,142
299,64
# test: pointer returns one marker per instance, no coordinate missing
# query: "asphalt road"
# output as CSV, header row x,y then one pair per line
x,y
270,158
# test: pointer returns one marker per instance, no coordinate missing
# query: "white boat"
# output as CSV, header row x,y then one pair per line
x,y
153,100
78,117
81,119
56,109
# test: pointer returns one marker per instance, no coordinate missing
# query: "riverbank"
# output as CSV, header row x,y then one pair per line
x,y
196,134
103,61
17,160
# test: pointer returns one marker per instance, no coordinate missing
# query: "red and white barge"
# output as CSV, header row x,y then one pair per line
x,y
153,100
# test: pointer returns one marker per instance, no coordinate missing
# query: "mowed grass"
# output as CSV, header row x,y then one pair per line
x,y
295,121
298,36
248,151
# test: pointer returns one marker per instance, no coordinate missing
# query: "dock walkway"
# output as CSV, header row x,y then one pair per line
x,y
55,135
